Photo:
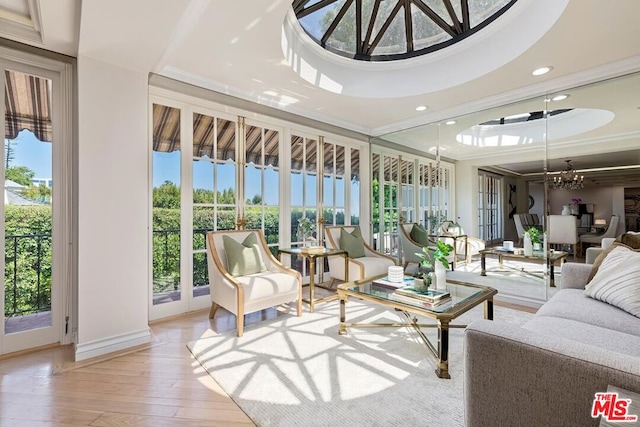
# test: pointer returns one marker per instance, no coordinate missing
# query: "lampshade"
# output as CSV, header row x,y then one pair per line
x,y
600,222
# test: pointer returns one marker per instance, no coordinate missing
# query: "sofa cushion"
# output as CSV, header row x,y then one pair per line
x,y
572,304
617,281
243,258
352,243
629,240
593,335
419,235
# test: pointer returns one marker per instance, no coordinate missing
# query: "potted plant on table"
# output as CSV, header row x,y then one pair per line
x,y
534,235
433,262
306,227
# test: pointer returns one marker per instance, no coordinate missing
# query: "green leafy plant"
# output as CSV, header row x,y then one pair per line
x,y
306,227
534,234
428,256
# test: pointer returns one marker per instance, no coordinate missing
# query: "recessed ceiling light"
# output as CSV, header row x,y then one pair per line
x,y
542,70
450,122
421,107
560,97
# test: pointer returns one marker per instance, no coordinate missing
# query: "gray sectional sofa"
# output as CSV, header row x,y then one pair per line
x,y
546,372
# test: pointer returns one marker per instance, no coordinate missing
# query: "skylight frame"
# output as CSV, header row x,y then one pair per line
x,y
367,41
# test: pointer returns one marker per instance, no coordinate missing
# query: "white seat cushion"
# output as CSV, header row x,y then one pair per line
x,y
373,266
266,286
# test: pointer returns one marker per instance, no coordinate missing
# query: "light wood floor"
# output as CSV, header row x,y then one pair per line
x,y
156,385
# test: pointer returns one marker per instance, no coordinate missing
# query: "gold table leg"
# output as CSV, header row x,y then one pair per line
x,y
312,273
343,327
442,370
346,267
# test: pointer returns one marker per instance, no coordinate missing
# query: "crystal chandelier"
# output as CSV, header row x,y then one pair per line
x,y
568,179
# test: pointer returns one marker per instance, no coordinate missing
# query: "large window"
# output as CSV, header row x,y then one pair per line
x,y
304,183
214,187
215,170
334,184
489,207
408,190
262,182
166,205
355,187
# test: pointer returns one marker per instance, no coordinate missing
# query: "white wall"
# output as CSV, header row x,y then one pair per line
x,y
537,192
113,208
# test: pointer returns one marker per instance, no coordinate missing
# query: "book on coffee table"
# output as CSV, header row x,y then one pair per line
x,y
431,296
411,300
386,283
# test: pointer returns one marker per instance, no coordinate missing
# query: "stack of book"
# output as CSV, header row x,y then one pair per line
x,y
393,284
430,299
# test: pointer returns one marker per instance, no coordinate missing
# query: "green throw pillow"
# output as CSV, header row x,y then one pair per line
x,y
419,235
243,258
352,243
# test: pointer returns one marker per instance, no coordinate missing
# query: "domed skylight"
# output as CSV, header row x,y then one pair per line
x,y
382,30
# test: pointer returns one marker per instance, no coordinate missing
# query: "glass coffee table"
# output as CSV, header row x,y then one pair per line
x,y
464,297
537,256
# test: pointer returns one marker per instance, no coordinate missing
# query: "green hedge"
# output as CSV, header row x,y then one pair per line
x,y
166,238
28,254
27,283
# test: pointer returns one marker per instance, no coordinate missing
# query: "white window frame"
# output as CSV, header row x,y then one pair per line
x,y
64,250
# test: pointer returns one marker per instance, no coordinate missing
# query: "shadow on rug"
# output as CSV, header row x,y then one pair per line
x,y
294,371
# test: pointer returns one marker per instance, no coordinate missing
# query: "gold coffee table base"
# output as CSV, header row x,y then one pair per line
x,y
465,297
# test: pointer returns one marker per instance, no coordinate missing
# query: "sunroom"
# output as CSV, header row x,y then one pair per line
x,y
154,144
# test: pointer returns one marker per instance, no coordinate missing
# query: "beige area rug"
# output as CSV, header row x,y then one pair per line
x,y
297,371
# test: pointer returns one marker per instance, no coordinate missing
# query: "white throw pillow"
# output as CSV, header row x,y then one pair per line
x,y
617,281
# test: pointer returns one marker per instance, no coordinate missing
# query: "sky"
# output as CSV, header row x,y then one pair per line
x,y
37,156
29,151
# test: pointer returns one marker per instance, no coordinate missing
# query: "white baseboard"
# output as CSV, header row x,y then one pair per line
x,y
109,345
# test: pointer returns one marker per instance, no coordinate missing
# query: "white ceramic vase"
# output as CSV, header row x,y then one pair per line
x,y
440,276
528,246
566,210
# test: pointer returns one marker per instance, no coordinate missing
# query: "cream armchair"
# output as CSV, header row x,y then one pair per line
x,y
473,244
408,247
274,285
371,264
